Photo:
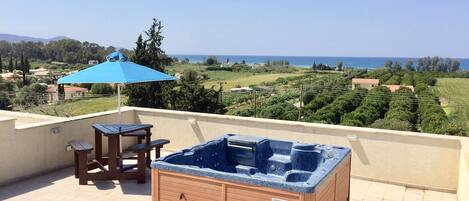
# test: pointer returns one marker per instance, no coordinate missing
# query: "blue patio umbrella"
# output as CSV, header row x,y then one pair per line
x,y
116,70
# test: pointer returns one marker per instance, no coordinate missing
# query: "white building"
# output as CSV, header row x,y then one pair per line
x,y
241,89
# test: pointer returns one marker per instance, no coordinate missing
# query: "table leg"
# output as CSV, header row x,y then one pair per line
x,y
113,143
148,141
141,168
98,141
119,160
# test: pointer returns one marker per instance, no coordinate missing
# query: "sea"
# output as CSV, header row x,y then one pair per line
x,y
307,61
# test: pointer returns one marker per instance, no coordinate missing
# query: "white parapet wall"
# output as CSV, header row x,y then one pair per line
x,y
37,147
463,187
414,159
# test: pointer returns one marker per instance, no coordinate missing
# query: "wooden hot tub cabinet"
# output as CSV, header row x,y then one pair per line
x,y
173,186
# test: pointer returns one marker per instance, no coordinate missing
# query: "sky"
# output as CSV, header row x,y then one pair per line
x,y
369,28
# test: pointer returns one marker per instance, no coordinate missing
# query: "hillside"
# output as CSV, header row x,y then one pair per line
x,y
17,38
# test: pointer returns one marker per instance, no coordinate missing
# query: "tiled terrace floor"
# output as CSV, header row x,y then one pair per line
x,y
61,185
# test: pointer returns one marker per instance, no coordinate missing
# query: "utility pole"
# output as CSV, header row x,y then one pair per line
x,y
255,103
301,100
221,90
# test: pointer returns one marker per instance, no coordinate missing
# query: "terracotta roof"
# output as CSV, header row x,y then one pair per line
x,y
394,88
53,89
364,81
75,89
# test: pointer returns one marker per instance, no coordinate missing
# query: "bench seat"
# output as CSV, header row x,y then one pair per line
x,y
81,150
80,145
148,146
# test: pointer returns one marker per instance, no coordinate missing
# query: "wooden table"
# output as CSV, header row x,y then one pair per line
x,y
113,133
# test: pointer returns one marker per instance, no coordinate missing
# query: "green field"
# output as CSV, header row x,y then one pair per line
x,y
234,79
456,92
78,106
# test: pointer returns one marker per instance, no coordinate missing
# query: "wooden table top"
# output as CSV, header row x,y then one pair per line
x,y
119,129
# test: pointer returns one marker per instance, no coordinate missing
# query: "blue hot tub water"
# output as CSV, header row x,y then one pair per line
x,y
277,164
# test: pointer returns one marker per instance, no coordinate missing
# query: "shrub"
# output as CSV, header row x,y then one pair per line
x,y
217,68
433,118
32,95
326,96
249,112
431,81
308,96
5,102
373,107
394,80
402,107
392,124
408,79
343,104
284,111
102,89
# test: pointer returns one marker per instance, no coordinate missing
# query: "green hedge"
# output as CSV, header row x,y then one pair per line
x,y
373,107
433,118
341,105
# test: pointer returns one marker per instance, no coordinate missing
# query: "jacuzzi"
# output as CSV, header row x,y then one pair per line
x,y
236,167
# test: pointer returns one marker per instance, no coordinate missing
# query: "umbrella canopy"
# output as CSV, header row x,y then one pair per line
x,y
117,69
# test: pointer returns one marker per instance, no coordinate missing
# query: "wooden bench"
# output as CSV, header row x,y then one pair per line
x,y
140,150
81,150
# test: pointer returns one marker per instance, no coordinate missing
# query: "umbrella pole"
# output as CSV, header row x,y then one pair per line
x,y
120,119
119,104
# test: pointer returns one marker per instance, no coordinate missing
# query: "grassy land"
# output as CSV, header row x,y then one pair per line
x,y
99,104
78,107
243,79
233,78
456,91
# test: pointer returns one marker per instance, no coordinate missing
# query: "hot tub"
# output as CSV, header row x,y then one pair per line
x,y
235,167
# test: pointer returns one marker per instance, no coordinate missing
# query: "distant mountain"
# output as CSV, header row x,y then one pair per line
x,y
15,38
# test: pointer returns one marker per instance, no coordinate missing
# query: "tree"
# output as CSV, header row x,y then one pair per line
x,y
454,65
315,67
388,64
435,63
10,65
32,95
397,66
340,66
16,64
427,62
409,65
102,89
5,102
1,64
148,52
191,95
211,60
24,69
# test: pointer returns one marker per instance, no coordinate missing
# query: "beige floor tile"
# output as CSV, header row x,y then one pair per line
x,y
61,185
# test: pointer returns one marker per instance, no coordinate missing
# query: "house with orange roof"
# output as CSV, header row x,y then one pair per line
x,y
364,83
70,92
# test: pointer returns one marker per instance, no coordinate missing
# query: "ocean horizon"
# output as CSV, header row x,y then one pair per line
x,y
307,61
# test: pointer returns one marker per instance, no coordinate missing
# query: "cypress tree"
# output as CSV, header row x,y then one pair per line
x,y
149,53
23,69
27,65
10,65
1,64
16,64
